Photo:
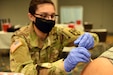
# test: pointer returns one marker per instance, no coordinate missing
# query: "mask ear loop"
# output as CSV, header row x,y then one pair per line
x,y
33,22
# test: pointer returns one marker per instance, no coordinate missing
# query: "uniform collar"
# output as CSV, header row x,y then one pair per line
x,y
33,38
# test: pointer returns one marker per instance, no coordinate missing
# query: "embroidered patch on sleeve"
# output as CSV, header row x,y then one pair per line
x,y
15,45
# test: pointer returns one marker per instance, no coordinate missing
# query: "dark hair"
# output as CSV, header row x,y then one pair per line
x,y
33,5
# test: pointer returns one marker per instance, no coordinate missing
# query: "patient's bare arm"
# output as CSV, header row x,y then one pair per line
x,y
99,66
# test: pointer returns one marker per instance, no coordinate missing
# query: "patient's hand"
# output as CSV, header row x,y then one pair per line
x,y
99,66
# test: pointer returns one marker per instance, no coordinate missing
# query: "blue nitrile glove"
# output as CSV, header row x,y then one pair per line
x,y
76,55
86,40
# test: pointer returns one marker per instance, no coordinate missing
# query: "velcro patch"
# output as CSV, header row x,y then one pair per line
x,y
15,45
46,65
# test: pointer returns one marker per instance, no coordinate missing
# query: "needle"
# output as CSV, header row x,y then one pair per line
x,y
91,60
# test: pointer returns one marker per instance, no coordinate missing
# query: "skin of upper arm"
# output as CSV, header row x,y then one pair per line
x,y
99,66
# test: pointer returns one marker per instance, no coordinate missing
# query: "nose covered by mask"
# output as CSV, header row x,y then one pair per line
x,y
44,25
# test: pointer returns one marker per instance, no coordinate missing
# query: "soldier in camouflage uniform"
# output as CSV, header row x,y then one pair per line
x,y
36,49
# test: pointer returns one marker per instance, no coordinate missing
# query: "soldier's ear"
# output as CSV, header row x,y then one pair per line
x,y
31,17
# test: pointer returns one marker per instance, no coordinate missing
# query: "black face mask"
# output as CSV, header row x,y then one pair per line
x,y
44,25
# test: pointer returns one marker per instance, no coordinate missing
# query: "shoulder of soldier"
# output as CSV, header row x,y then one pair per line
x,y
64,30
15,44
23,30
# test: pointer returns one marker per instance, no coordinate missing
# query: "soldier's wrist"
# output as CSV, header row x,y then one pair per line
x,y
59,64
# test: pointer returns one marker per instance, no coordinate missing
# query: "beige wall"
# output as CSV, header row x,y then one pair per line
x,y
98,12
16,10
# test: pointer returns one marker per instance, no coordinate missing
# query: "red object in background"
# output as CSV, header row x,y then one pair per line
x,y
78,22
5,26
71,26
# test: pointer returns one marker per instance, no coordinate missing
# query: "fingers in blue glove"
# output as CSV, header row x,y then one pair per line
x,y
89,43
85,40
76,55
81,53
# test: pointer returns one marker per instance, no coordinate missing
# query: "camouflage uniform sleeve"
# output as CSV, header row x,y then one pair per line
x,y
55,68
108,54
96,38
69,35
20,59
